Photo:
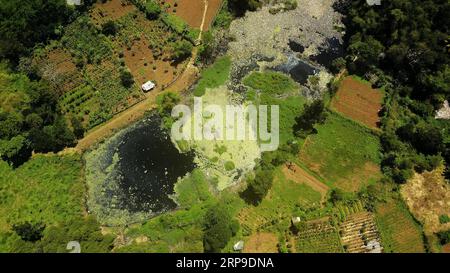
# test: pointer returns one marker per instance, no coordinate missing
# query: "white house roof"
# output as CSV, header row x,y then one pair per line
x,y
148,86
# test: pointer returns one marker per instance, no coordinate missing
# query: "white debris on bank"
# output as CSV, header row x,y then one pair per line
x,y
373,2
73,2
444,112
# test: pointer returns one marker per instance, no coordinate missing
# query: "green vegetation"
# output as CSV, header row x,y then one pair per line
x,y
25,23
318,239
273,83
286,198
214,76
29,118
313,114
193,189
219,228
416,84
399,231
278,89
342,152
182,50
42,207
152,9
444,219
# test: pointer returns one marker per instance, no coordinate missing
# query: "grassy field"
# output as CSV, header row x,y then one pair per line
x,y
47,189
284,199
214,76
273,88
270,82
399,232
345,154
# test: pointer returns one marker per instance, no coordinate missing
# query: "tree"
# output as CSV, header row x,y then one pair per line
x,y
78,128
109,28
126,78
258,187
313,114
167,102
239,7
16,150
24,23
207,47
152,9
219,227
182,50
85,231
29,232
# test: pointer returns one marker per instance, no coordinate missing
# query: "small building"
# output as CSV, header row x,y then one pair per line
x,y
239,246
148,86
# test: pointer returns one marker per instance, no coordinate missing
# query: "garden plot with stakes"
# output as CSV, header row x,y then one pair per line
x,y
318,236
57,67
359,234
146,48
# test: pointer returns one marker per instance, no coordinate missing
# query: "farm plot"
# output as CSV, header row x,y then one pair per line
x,y
111,10
399,232
57,67
146,48
191,11
263,242
299,175
280,204
358,101
318,236
359,234
345,154
428,198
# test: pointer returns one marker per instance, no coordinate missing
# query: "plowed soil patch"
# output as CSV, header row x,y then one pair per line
x,y
261,243
110,11
358,101
299,175
191,11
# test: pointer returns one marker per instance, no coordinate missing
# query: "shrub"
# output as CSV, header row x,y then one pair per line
x,y
152,10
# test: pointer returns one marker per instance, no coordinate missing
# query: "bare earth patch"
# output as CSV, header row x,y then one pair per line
x,y
299,175
110,10
261,243
139,59
428,197
191,11
358,101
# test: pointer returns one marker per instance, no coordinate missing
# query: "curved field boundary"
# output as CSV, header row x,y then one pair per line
x,y
299,175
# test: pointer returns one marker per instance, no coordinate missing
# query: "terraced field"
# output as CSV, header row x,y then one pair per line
x,y
359,101
318,237
359,234
399,232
